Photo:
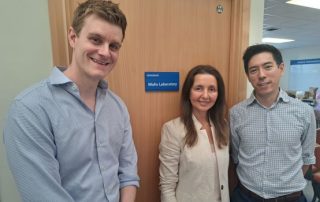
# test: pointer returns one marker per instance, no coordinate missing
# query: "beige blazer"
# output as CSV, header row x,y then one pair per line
x,y
185,172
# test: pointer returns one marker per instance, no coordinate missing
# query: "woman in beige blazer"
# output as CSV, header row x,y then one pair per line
x,y
194,153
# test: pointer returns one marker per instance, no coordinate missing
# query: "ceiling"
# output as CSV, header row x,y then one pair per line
x,y
294,22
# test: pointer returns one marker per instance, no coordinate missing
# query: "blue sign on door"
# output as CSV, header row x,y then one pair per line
x,y
161,81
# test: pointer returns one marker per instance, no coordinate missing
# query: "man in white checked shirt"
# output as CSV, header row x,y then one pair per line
x,y
272,134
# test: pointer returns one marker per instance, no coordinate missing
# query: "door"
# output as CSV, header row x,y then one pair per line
x,y
165,35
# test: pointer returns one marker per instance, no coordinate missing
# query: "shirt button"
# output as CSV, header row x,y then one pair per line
x,y
74,87
221,187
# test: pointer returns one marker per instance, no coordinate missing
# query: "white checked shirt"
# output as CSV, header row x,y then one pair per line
x,y
270,145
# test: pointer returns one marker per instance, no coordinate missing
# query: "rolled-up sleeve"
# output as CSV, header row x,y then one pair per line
x,y
169,163
309,139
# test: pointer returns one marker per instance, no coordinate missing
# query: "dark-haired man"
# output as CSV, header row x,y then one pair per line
x,y
272,134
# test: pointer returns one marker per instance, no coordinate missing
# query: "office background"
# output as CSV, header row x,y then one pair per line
x,y
309,52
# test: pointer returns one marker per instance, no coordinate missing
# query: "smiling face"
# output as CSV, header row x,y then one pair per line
x,y
264,74
203,93
95,48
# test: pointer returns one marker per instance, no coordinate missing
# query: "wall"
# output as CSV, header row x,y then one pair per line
x,y
296,54
25,58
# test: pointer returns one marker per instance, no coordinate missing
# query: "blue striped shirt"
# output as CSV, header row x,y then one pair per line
x,y
270,145
59,150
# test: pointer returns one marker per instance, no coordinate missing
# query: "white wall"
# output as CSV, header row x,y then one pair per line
x,y
25,58
296,54
256,28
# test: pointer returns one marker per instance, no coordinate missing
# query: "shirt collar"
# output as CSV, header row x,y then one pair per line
x,y
283,96
57,77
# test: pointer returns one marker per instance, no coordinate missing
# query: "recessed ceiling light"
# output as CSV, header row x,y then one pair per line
x,y
276,40
270,29
306,3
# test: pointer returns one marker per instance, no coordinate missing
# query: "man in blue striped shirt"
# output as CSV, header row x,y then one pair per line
x,y
69,138
272,134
